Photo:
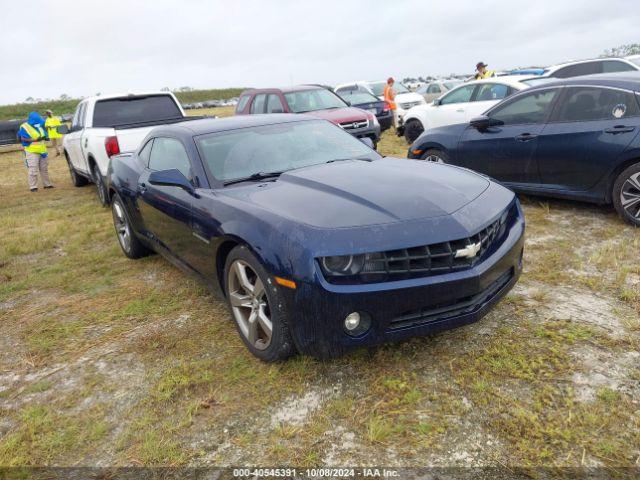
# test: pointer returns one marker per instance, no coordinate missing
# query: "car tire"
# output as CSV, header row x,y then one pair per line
x,y
626,194
103,196
131,245
435,155
256,305
412,130
76,179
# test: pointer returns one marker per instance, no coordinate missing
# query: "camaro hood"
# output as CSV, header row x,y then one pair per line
x,y
340,115
357,193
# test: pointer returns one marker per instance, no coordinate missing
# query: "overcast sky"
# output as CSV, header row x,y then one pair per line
x,y
83,47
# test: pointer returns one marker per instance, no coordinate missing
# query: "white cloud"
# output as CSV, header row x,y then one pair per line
x,y
81,48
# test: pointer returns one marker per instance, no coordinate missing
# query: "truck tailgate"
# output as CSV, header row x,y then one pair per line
x,y
129,139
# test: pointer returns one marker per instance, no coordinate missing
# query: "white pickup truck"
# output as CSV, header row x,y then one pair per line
x,y
107,125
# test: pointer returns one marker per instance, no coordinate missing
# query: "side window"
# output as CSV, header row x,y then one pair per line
x,y
242,102
460,95
168,153
530,108
76,116
491,91
609,66
586,68
145,152
434,88
582,104
258,103
274,105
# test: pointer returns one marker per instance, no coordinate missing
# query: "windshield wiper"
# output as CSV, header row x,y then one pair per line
x,y
254,177
364,159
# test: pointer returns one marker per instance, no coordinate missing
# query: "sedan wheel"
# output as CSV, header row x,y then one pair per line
x,y
434,158
250,305
630,196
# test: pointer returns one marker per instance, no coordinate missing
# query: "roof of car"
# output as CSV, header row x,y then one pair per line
x,y
294,88
626,80
212,125
553,68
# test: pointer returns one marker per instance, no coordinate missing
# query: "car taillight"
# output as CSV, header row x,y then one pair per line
x,y
386,107
111,146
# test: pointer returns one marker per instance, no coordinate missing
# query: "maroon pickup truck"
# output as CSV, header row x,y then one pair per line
x,y
311,100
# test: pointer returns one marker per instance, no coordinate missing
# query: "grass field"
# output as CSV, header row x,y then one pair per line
x,y
107,361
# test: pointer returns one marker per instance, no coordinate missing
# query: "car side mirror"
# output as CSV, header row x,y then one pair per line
x,y
483,122
368,142
437,102
62,129
171,178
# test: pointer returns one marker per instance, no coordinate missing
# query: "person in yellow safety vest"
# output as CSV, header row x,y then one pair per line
x,y
33,136
390,97
51,124
482,72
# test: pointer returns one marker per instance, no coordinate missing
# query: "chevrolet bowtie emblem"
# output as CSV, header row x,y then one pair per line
x,y
469,251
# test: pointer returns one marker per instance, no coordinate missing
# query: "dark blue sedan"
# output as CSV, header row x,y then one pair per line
x,y
577,138
366,101
317,242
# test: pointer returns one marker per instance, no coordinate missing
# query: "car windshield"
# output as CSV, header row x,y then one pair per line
x,y
378,88
450,85
538,81
357,97
310,100
238,154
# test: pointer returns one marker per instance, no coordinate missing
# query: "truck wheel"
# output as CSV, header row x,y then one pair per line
x,y
103,196
626,194
257,306
435,155
77,180
130,244
412,130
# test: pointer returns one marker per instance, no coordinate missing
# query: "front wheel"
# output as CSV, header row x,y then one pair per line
x,y
257,307
435,155
626,194
76,180
412,130
100,185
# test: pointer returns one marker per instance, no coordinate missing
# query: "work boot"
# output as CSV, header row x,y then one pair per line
x,y
49,186
34,190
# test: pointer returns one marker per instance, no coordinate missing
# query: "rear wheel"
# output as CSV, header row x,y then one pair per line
x,y
626,194
413,129
435,155
76,179
103,196
257,307
130,244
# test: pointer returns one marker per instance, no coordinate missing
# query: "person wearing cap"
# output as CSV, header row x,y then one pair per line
x,y
51,124
33,136
482,72
389,97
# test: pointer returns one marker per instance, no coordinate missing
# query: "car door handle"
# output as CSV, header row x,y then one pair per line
x,y
619,129
525,137
142,188
461,110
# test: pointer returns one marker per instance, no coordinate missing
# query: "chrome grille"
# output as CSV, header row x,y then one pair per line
x,y
354,125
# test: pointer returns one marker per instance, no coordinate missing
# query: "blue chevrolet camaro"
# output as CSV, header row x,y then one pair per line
x,y
577,138
317,242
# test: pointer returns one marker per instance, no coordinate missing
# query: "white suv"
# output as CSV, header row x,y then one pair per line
x,y
405,99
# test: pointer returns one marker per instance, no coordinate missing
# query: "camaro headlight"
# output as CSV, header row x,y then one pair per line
x,y
342,264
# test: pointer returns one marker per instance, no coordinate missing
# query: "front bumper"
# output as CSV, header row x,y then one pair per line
x,y
403,309
372,132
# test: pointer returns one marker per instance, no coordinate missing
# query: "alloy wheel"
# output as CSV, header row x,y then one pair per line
x,y
250,305
122,226
434,158
630,195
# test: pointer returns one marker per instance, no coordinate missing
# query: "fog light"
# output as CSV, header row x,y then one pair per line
x,y
357,324
352,321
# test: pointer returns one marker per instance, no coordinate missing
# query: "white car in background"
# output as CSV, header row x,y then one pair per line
x,y
433,90
405,99
593,66
461,104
